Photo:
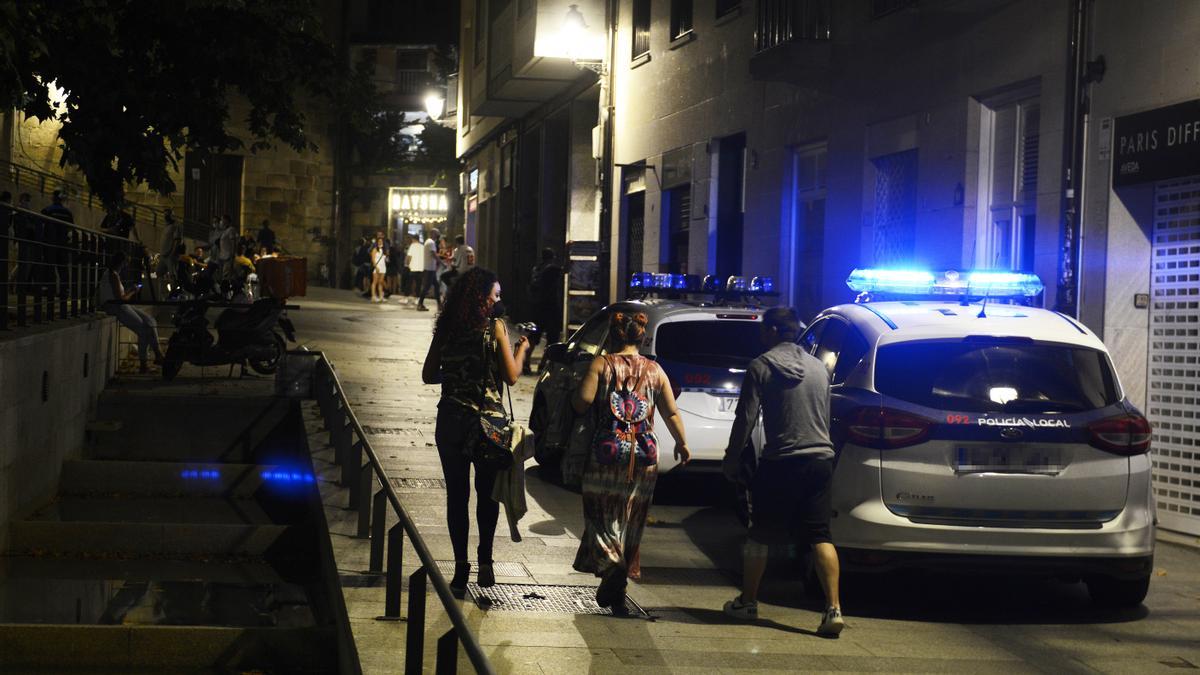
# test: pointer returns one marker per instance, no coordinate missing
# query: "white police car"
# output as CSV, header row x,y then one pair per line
x,y
980,434
702,333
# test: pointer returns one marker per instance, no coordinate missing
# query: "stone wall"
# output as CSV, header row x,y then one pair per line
x,y
294,190
46,395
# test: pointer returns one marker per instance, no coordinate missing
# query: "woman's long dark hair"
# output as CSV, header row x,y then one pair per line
x,y
466,308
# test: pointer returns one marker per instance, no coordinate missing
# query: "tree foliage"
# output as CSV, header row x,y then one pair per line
x,y
145,80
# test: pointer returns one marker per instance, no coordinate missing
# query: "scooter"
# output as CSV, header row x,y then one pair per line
x,y
245,336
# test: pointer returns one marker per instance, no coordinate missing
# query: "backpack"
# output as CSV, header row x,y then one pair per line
x,y
626,435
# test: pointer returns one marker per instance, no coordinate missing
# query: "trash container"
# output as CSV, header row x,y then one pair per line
x,y
283,277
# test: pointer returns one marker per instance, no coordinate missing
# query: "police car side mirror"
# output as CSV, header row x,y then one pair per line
x,y
556,352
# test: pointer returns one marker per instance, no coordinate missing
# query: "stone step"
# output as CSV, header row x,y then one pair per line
x,y
220,429
139,540
204,602
151,510
250,570
108,477
169,648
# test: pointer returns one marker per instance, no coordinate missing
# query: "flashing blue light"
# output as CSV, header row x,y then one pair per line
x,y
917,282
641,280
988,283
995,284
762,285
735,284
711,284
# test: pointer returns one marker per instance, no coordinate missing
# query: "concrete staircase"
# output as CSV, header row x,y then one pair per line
x,y
192,538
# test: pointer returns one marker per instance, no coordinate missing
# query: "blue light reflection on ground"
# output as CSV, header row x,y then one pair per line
x,y
200,474
288,477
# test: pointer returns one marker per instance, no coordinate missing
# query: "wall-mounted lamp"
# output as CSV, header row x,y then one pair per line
x,y
435,105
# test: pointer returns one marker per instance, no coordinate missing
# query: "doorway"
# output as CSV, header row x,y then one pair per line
x,y
212,187
731,152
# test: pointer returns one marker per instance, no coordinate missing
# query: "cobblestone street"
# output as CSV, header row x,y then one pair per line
x,y
910,623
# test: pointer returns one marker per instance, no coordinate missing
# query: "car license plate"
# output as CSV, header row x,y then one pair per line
x,y
727,403
1047,461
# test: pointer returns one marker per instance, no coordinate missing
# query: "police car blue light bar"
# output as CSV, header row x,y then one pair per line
x,y
982,283
1003,283
691,283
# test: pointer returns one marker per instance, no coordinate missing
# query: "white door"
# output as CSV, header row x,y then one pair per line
x,y
1174,378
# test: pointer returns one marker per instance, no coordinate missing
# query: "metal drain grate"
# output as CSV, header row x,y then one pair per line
x,y
501,569
541,598
418,483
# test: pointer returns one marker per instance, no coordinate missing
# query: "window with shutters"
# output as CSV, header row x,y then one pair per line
x,y
1008,178
641,28
681,18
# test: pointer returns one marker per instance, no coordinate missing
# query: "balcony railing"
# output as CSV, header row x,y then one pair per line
x,y
783,21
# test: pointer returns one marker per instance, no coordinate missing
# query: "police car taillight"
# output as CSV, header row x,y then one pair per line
x,y
1124,435
886,428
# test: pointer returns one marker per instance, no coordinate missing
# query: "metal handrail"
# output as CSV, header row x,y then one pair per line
x,y
350,444
53,267
48,182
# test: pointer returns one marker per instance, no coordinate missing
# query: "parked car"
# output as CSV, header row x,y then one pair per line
x,y
980,435
703,341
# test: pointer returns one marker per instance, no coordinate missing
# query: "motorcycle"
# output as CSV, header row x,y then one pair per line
x,y
245,336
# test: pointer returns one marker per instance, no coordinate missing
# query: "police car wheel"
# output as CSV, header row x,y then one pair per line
x,y
1117,593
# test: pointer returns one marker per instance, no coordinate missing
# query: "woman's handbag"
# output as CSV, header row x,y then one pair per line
x,y
494,446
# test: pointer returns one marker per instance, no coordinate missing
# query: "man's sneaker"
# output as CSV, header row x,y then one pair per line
x,y
831,623
742,611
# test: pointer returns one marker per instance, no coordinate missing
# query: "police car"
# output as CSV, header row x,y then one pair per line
x,y
702,332
977,432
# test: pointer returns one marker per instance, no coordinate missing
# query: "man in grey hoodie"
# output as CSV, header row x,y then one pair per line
x,y
790,489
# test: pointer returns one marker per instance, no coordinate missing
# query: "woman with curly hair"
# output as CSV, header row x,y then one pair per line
x,y
469,356
618,479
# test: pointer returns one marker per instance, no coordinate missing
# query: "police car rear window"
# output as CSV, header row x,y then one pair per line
x,y
981,375
712,344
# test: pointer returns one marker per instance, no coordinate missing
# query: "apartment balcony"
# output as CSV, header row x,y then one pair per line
x,y
793,42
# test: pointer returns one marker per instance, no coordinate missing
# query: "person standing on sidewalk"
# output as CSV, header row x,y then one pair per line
x,y
618,480
414,260
469,356
545,299
379,260
789,492
429,280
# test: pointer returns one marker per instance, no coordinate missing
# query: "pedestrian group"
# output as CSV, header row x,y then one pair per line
x,y
473,357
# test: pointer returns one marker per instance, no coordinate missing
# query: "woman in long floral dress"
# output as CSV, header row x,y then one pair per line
x,y
618,480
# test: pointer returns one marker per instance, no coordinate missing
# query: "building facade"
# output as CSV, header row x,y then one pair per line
x,y
800,139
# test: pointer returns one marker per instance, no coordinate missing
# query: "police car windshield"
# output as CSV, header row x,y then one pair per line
x,y
724,343
982,375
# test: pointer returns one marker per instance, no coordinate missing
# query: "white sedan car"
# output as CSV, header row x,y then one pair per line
x,y
979,435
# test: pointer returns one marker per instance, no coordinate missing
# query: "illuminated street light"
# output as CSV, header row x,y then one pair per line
x,y
573,29
435,105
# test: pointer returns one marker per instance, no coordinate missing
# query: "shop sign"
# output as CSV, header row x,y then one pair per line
x,y
1157,144
418,204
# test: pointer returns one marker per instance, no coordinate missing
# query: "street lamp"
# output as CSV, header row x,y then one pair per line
x,y
573,29
435,105
574,34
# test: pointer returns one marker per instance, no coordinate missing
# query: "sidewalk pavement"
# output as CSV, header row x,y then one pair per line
x,y
897,625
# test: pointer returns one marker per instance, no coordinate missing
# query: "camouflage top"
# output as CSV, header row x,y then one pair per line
x,y
471,370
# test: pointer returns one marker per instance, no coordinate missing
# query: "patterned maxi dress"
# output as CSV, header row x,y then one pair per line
x,y
618,486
